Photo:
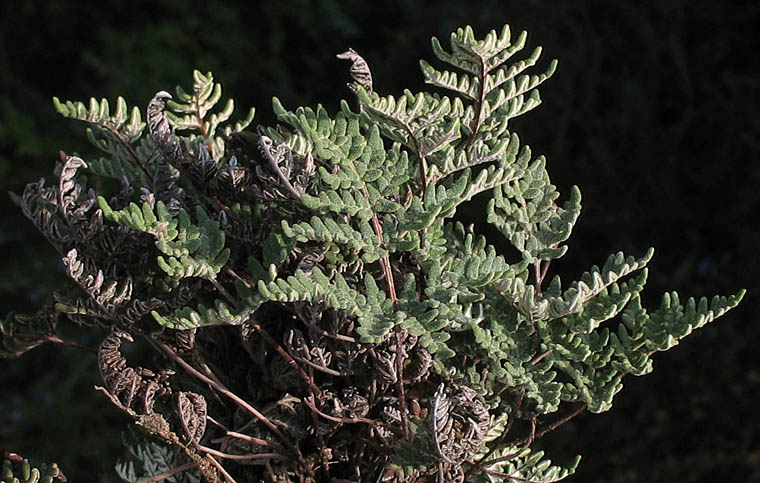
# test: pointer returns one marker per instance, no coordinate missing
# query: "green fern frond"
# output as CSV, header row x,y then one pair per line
x,y
155,221
16,469
149,458
525,211
127,123
499,93
190,112
196,251
327,230
119,135
525,465
192,250
556,303
641,334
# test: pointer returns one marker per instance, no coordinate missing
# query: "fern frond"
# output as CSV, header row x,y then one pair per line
x,y
156,221
196,251
328,230
127,123
188,317
641,334
496,95
557,304
193,250
17,469
525,211
119,135
21,333
190,112
107,294
525,465
150,457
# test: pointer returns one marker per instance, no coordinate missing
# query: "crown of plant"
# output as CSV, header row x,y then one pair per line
x,y
318,310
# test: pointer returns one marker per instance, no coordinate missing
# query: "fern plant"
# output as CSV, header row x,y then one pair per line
x,y
17,469
318,314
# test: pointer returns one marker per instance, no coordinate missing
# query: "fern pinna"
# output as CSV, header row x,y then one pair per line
x,y
319,310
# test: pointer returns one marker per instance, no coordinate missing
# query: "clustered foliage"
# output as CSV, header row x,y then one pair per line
x,y
315,308
17,469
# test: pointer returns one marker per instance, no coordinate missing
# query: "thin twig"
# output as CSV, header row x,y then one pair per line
x,y
545,270
234,274
532,435
234,397
513,416
284,354
561,421
387,271
57,340
324,369
540,357
166,474
266,336
400,386
320,439
129,149
243,437
320,331
218,286
310,403
241,457
221,469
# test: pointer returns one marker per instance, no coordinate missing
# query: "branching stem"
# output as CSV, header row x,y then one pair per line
x,y
167,474
268,338
228,478
129,149
239,457
57,340
385,263
234,397
310,403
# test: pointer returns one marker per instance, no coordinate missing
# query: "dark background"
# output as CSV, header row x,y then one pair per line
x,y
653,113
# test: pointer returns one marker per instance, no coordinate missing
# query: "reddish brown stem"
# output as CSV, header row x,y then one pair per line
x,y
234,397
268,338
540,357
240,457
129,149
57,340
310,403
400,389
167,474
227,477
309,381
561,421
400,386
